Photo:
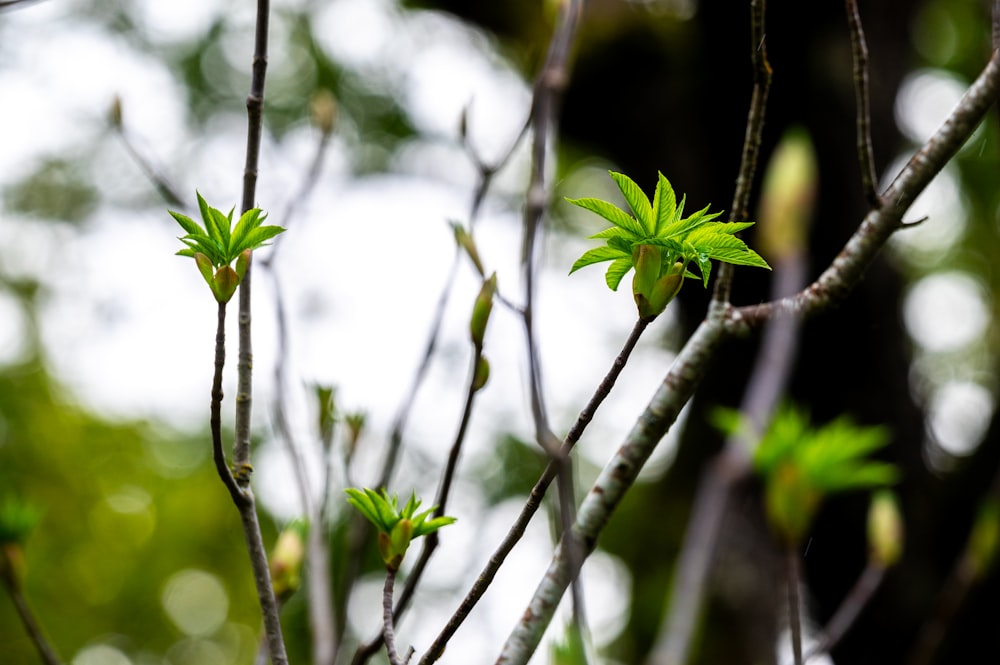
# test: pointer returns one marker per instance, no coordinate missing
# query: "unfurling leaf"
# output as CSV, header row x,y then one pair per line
x,y
215,246
659,243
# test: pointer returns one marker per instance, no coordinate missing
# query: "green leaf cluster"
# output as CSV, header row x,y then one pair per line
x,y
660,243
17,520
216,245
396,527
801,465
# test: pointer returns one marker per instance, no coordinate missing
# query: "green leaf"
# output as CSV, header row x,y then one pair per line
x,y
598,255
664,204
256,238
188,224
248,221
697,238
613,214
637,200
616,271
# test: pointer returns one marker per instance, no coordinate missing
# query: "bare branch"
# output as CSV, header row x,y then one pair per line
x,y
752,137
859,51
847,268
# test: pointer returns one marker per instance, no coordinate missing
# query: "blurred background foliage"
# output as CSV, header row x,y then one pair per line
x,y
136,531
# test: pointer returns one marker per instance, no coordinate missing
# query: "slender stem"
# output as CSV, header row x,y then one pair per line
x,y
215,419
859,49
850,609
534,499
46,652
794,604
752,137
548,85
321,613
388,634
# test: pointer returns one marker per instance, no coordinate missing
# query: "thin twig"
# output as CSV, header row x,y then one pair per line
x,y
535,497
215,418
322,617
548,87
794,604
244,386
158,180
752,137
859,50
850,609
46,652
388,634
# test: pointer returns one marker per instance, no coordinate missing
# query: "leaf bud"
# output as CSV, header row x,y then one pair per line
x,y
324,110
985,538
224,284
205,268
885,529
242,263
482,374
286,560
465,241
481,310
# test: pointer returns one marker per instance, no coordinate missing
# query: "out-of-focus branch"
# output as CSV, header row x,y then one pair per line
x,y
9,576
849,610
153,174
859,50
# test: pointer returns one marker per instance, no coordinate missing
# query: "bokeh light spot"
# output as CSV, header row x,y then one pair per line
x,y
946,311
196,602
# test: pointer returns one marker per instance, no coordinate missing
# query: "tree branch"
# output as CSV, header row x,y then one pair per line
x,y
752,137
690,365
859,51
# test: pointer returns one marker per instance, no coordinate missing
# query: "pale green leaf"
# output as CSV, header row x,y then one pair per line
x,y
637,200
256,238
664,204
188,224
616,271
598,255
612,213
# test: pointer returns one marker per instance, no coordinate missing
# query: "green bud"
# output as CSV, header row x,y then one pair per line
x,y
664,290
464,240
393,546
242,263
788,195
324,111
648,261
482,374
985,538
481,311
286,561
224,284
790,502
205,268
885,529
